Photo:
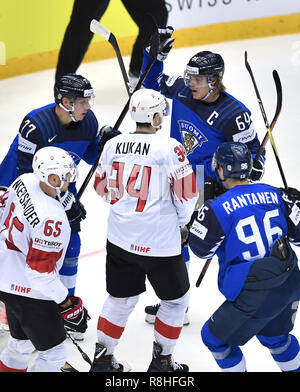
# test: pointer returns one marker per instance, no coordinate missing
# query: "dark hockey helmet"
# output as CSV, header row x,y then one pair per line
x,y
235,158
72,86
206,63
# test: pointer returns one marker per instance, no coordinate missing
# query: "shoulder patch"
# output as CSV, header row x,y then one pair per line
x,y
171,80
198,230
25,145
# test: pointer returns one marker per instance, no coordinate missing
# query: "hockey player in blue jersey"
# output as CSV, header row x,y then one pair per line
x,y
203,116
70,124
250,228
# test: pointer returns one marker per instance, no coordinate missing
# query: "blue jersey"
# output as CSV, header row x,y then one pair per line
x,y
201,127
240,227
40,128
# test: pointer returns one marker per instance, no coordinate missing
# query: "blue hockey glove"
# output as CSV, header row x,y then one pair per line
x,y
106,133
165,42
257,171
74,209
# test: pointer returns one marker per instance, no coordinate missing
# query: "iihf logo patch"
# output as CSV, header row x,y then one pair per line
x,y
192,137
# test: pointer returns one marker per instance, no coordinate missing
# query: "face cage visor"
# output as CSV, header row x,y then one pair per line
x,y
200,80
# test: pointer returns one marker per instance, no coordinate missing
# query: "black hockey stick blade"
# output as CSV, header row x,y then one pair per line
x,y
203,272
97,28
153,56
276,115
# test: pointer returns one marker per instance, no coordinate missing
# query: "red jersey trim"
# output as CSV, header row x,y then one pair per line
x,y
42,261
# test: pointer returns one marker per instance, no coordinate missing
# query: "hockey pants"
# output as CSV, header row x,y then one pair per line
x,y
17,355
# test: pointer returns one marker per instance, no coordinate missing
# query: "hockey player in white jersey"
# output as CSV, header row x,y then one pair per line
x,y
152,190
34,235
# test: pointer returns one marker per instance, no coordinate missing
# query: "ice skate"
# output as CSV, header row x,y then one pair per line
x,y
164,363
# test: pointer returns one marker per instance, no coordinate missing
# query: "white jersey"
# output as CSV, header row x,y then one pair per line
x,y
152,190
34,235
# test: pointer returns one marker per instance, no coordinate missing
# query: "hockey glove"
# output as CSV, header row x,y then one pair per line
x,y
3,196
74,209
106,133
185,234
212,188
165,42
74,316
257,171
293,195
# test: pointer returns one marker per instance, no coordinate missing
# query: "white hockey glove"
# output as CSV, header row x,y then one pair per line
x,y
165,42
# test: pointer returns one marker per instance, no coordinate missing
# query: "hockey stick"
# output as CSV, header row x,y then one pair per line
x,y
259,152
203,272
103,32
277,113
153,55
83,354
266,121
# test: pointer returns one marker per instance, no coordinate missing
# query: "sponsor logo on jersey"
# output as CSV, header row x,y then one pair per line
x,y
183,171
50,139
199,230
171,80
245,136
295,215
25,145
20,289
46,243
139,248
192,137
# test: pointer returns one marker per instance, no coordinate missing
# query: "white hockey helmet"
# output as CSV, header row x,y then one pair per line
x,y
54,160
144,103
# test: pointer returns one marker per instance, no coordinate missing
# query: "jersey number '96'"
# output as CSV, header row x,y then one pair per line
x,y
256,237
116,184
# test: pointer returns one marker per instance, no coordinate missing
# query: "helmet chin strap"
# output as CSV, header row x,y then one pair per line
x,y
157,127
211,89
69,111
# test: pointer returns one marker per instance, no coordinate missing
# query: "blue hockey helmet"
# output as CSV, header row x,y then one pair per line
x,y
72,86
235,158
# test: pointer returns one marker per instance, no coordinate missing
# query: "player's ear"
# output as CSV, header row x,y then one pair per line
x,y
221,173
66,102
54,180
